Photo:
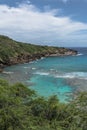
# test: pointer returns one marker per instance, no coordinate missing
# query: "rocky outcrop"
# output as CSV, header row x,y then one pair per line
x,y
28,58
12,52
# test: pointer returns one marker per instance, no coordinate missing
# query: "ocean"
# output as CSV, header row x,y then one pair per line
x,y
63,76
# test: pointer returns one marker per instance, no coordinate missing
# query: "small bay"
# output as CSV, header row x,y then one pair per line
x,y
62,76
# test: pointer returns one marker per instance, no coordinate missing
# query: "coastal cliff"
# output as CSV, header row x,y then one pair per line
x,y
13,52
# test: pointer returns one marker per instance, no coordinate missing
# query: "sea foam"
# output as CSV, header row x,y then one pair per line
x,y
42,73
79,54
7,72
79,75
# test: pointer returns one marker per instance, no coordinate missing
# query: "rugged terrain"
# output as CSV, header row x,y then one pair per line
x,y
13,52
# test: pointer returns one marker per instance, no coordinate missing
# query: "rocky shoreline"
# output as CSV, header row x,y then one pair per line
x,y
25,58
13,52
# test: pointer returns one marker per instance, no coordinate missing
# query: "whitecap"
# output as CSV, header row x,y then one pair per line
x,y
31,62
37,59
26,67
42,58
80,75
7,72
71,75
51,69
79,54
33,68
42,73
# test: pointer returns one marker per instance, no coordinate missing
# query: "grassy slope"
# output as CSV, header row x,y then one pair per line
x,y
11,50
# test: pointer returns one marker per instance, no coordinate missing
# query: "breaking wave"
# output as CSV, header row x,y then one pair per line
x,y
79,54
42,73
79,75
7,72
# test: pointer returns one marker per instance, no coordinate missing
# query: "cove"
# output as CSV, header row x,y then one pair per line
x,y
61,76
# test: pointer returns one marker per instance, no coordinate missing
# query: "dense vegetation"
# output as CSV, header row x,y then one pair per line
x,y
12,52
22,109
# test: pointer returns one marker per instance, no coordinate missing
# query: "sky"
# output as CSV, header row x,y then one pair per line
x,y
45,22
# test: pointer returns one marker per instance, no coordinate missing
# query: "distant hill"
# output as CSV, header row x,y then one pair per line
x,y
13,52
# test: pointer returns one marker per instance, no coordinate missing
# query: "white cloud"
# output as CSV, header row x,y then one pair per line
x,y
27,23
65,1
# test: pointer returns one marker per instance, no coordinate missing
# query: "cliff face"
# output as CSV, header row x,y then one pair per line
x,y
13,52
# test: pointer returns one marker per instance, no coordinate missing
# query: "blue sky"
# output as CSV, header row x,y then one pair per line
x,y
45,22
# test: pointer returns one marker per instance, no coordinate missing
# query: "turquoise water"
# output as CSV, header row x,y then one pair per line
x,y
61,76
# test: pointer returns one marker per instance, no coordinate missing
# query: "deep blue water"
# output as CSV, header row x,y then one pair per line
x,y
61,76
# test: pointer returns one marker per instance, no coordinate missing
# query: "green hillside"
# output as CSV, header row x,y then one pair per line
x,y
13,52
